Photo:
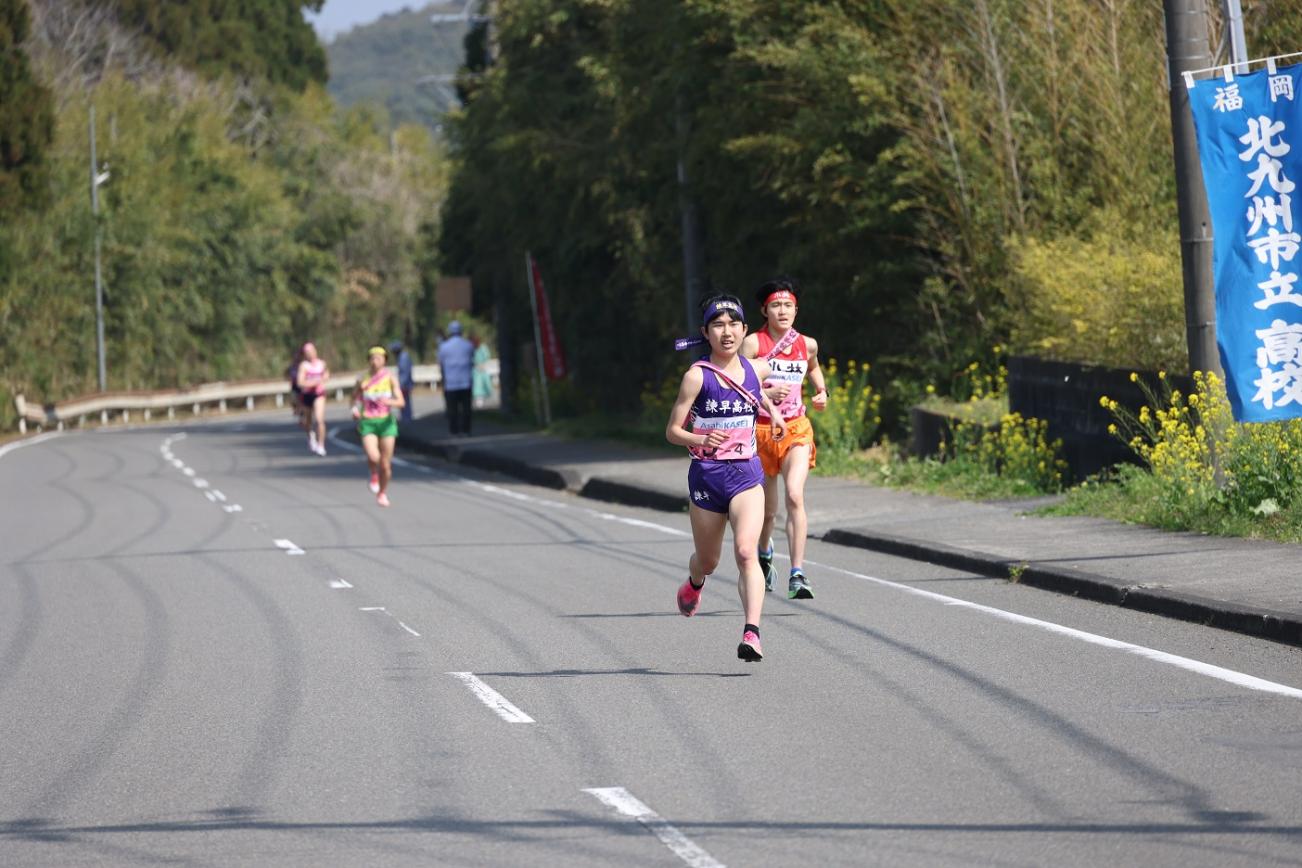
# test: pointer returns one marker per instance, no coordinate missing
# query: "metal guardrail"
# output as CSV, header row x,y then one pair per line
x,y
119,406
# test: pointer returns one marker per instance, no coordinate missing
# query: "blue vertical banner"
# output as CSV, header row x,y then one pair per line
x,y
1250,144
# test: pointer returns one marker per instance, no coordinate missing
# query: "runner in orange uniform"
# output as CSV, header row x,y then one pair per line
x,y
792,357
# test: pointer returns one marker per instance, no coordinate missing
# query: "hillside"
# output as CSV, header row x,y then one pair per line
x,y
384,63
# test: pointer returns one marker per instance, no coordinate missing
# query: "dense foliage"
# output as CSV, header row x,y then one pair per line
x,y
943,175
401,62
239,219
262,39
26,116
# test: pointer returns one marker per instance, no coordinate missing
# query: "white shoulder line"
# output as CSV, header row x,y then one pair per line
x,y
29,441
1220,673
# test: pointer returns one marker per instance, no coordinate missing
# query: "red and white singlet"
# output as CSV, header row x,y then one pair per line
x,y
789,366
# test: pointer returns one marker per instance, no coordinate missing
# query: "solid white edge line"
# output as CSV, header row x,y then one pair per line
x,y
624,802
1209,670
29,441
408,629
494,700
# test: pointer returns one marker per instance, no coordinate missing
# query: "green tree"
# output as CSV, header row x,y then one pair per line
x,y
26,116
267,39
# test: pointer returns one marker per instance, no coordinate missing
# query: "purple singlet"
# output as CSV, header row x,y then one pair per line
x,y
716,476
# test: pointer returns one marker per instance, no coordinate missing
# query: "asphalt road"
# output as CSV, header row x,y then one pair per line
x,y
215,650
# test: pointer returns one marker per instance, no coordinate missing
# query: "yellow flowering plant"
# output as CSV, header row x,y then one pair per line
x,y
853,411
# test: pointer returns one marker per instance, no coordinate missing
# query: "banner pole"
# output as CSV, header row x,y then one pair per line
x,y
537,340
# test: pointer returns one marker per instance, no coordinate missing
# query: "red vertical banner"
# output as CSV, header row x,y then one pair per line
x,y
553,359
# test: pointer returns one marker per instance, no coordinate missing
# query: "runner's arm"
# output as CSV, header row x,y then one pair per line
x,y
356,399
815,374
396,400
298,376
763,371
675,433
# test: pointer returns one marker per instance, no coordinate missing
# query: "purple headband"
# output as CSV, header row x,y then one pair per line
x,y
722,305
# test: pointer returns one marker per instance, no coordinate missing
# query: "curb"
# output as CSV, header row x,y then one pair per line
x,y
1223,615
614,491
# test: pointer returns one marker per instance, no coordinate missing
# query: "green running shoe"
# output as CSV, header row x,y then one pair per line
x,y
798,587
766,564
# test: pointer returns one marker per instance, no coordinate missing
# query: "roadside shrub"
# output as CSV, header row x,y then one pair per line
x,y
1182,440
853,412
1109,299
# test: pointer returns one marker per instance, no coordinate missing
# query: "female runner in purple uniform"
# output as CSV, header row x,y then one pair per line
x,y
714,417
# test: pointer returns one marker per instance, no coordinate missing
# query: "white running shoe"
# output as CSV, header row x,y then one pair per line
x,y
311,441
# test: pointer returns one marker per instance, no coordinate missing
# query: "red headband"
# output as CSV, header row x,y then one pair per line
x,y
780,294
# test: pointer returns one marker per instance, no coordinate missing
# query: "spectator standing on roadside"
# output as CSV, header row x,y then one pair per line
x,y
483,381
403,360
456,366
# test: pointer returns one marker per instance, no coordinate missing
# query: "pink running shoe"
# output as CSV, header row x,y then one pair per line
x,y
689,598
375,483
749,649
382,499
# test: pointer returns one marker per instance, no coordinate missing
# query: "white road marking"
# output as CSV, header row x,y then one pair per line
x,y
627,804
217,494
383,611
494,700
178,463
188,471
209,495
30,441
289,547
233,507
339,584
200,483
1239,679
1230,676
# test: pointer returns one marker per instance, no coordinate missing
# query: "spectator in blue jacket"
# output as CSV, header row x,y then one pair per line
x,y
405,381
457,365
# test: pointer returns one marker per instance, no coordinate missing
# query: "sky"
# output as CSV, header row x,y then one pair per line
x,y
340,16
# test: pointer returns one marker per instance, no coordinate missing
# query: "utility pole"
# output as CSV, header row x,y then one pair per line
x,y
693,243
1187,49
96,178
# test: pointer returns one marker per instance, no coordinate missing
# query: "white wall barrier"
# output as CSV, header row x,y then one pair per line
x,y
120,405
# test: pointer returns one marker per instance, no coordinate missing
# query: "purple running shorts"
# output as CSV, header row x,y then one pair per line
x,y
713,484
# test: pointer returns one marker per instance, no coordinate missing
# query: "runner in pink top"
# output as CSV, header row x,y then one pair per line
x,y
312,376
720,398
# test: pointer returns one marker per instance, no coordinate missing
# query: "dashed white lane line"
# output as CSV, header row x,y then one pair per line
x,y
494,700
628,805
200,483
217,495
383,611
211,497
289,547
188,471
233,507
339,584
